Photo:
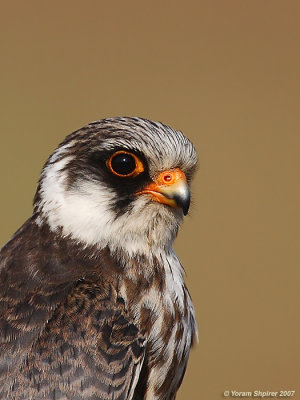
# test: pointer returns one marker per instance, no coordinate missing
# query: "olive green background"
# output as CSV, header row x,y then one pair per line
x,y
224,72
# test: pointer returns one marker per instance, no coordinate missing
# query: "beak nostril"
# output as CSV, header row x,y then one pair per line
x,y
167,178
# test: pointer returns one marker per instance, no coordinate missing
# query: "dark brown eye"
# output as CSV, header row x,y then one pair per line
x,y
124,164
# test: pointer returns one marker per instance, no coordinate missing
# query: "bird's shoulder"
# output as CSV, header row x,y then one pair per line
x,y
51,314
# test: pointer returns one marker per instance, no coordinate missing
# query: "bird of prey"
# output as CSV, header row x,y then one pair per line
x,y
93,303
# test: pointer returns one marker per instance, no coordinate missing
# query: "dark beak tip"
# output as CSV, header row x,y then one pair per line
x,y
185,211
184,203
185,208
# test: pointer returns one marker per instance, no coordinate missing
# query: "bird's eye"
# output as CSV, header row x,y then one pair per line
x,y
125,164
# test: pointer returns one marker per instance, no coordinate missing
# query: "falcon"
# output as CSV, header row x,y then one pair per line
x,y
93,303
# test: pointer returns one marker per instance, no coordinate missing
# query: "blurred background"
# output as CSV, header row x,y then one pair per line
x,y
226,73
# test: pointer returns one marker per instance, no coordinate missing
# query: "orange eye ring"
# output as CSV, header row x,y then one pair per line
x,y
138,166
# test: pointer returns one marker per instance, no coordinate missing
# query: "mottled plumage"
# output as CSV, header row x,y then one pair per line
x,y
93,303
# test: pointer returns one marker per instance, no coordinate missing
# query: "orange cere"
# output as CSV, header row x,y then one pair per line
x,y
169,177
159,188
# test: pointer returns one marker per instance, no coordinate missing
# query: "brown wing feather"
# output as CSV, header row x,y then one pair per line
x,y
26,304
88,350
62,338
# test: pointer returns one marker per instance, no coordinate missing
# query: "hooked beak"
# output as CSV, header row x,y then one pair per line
x,y
171,188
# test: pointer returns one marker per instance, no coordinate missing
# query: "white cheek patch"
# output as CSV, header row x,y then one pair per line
x,y
85,214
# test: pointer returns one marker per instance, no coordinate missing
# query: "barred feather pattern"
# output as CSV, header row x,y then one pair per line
x,y
110,330
93,304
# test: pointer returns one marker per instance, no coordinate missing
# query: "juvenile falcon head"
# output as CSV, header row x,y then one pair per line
x,y
118,182
93,303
